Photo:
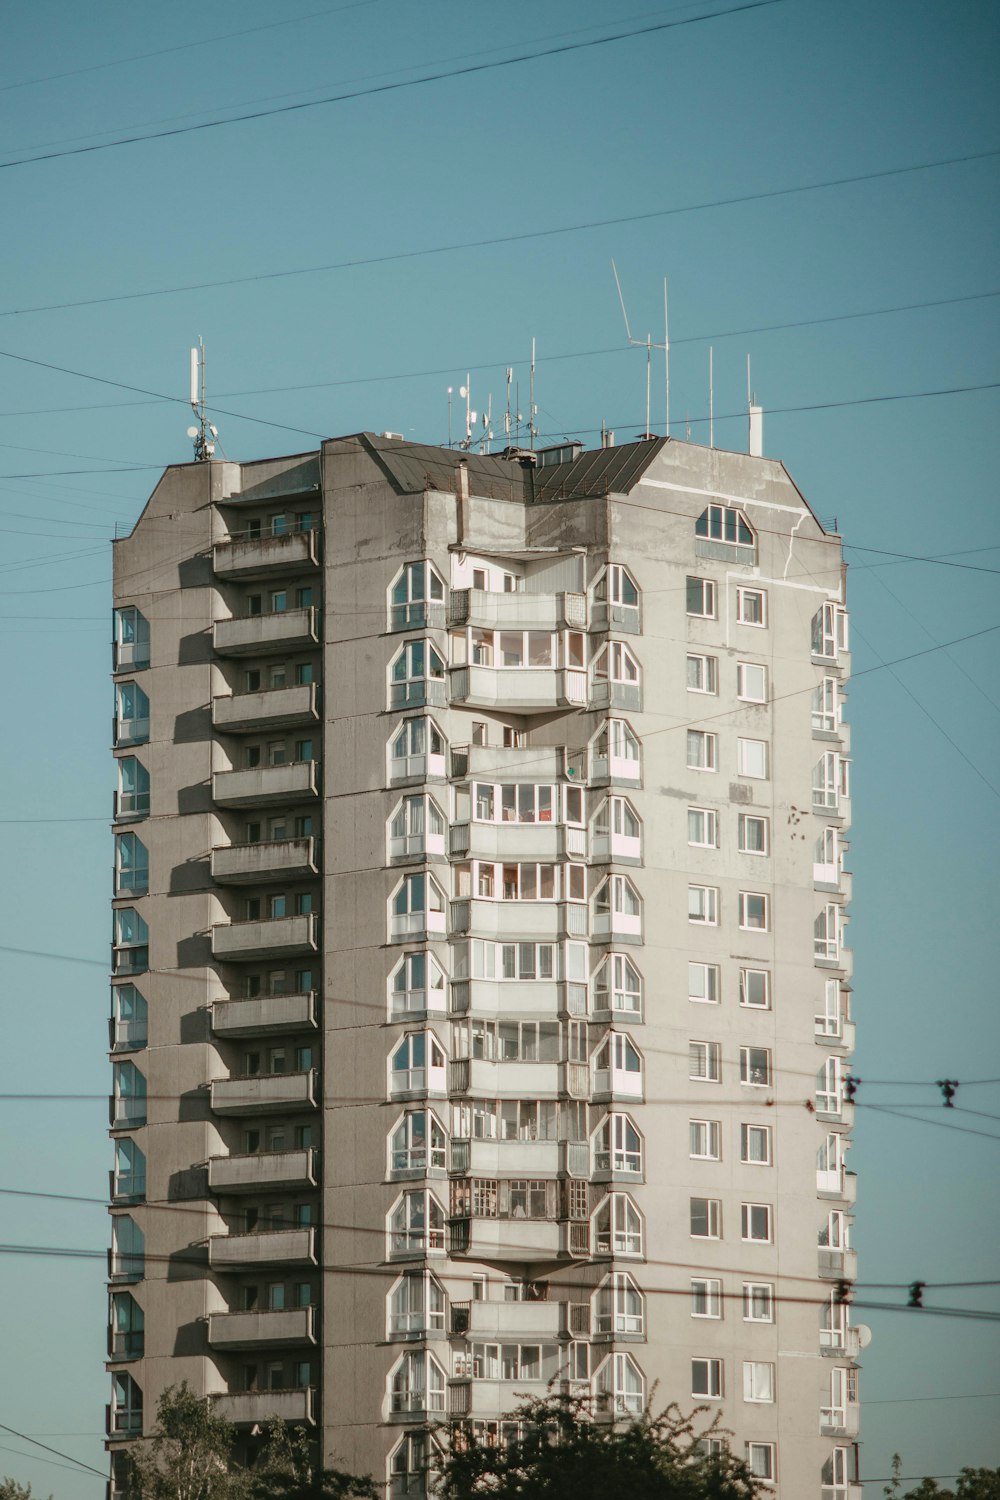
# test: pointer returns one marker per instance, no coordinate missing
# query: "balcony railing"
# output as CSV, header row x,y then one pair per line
x,y
279,708
264,1093
263,786
519,690
259,557
258,1408
516,841
263,1170
127,1187
259,635
536,997
523,921
129,731
507,1158
253,1330
493,1079
271,937
126,1345
293,1247
249,864
128,805
264,1014
517,611
538,763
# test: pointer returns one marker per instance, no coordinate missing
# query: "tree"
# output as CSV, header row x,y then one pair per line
x,y
564,1451
188,1457
285,1471
973,1484
11,1490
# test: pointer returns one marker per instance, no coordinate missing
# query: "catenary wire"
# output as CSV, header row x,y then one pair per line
x,y
36,1458
24,1438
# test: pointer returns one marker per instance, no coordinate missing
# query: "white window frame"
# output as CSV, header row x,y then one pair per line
x,y
707,669
707,1061
706,1293
750,753
411,613
744,672
744,609
743,820
707,1378
761,1133
711,985
709,597
761,1459
749,1212
745,985
830,634
758,1381
826,706
745,922
710,1132
709,819
748,1070
708,743
758,1294
703,905
714,1217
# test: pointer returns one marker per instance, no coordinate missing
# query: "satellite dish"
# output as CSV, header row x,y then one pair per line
x,y
193,432
463,391
864,1335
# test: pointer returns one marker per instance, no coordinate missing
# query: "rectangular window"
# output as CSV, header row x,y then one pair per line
x,y
754,834
706,1297
706,1377
705,1140
761,1460
701,750
826,705
758,1380
755,1145
705,1061
755,989
702,673
703,905
703,983
754,912
751,682
751,606
703,827
755,1223
706,1218
751,758
701,597
758,1302
755,1066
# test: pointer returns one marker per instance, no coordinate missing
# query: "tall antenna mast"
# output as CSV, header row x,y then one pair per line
x,y
506,420
648,345
449,415
711,400
465,391
203,434
532,408
666,360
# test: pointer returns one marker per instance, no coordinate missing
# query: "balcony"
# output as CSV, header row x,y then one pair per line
x,y
257,1408
127,1187
129,806
262,556
840,1343
270,937
544,841
837,1265
505,1080
510,1320
249,864
126,1112
519,689
122,1422
259,635
126,732
840,1421
838,1184
506,1158
264,1014
254,1330
537,998
272,1247
618,848
517,611
524,921
507,1239
279,708
127,1035
126,1346
266,786
291,1170
623,696
539,763
623,619
264,1093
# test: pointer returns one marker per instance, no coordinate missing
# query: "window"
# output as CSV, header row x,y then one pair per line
x,y
416,1305
131,725
129,1180
758,1302
415,671
618,1227
128,1249
132,797
829,631
416,588
826,706
701,597
617,665
755,1066
618,1066
620,1385
751,682
706,1378
616,753
831,781
125,1414
828,933
705,1061
830,1087
754,914
409,1465
417,1143
703,827
705,1140
751,759
131,865
758,1380
130,954
617,908
706,1297
129,1097
760,1460
753,834
618,986
706,1219
416,1225
617,587
417,906
417,1063
129,1018
617,1146
131,640
755,989
127,1325
724,523
619,1306
617,829
702,747
703,904
702,674
418,984
703,983
755,1145
836,1010
418,1384
416,827
755,1223
751,606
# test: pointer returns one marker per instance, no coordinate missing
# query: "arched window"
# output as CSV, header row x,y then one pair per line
x,y
618,1227
620,1386
619,1307
618,986
418,1143
418,986
417,751
416,598
418,1065
416,1225
618,1146
417,676
724,523
417,909
416,1306
417,1385
618,1066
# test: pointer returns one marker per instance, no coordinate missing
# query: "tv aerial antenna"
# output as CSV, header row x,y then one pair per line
x,y
648,344
203,434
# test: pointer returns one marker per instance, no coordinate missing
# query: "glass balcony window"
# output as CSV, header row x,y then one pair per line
x,y
127,1323
130,952
617,831
417,908
828,933
619,1307
416,827
128,1179
417,1225
526,880
418,1143
618,986
131,640
128,1249
125,1411
618,1226
416,672
128,1018
417,749
615,753
132,798
829,632
618,1146
617,909
418,1065
131,865
418,1385
131,723
129,1100
418,986
616,670
416,1305
413,596
620,1385
618,1066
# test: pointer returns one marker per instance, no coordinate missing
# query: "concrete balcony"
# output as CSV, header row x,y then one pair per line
x,y
524,921
505,1080
623,619
249,864
532,999
266,786
544,841
834,1032
626,697
262,1171
522,690
262,556
257,1408
489,1398
259,635
279,708
537,763
272,937
273,1247
840,1421
840,1185
256,1330
264,1015
264,1093
517,611
513,1320
507,1239
506,1158
837,1265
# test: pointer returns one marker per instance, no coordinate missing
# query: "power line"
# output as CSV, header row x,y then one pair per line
x,y
24,1438
36,1459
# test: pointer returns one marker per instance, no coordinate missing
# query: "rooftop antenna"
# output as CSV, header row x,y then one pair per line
x,y
666,361
755,420
506,420
203,434
532,408
711,399
649,346
449,416
486,441
465,391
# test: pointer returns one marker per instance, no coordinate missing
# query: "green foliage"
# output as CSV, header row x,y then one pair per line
x,y
285,1472
11,1490
973,1484
563,1453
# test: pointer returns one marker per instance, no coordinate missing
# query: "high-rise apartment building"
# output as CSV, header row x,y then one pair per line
x,y
481,999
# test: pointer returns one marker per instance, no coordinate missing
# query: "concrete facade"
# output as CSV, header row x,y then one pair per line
x,y
481,995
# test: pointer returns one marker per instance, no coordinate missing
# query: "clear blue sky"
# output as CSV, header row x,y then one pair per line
x,y
783,95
